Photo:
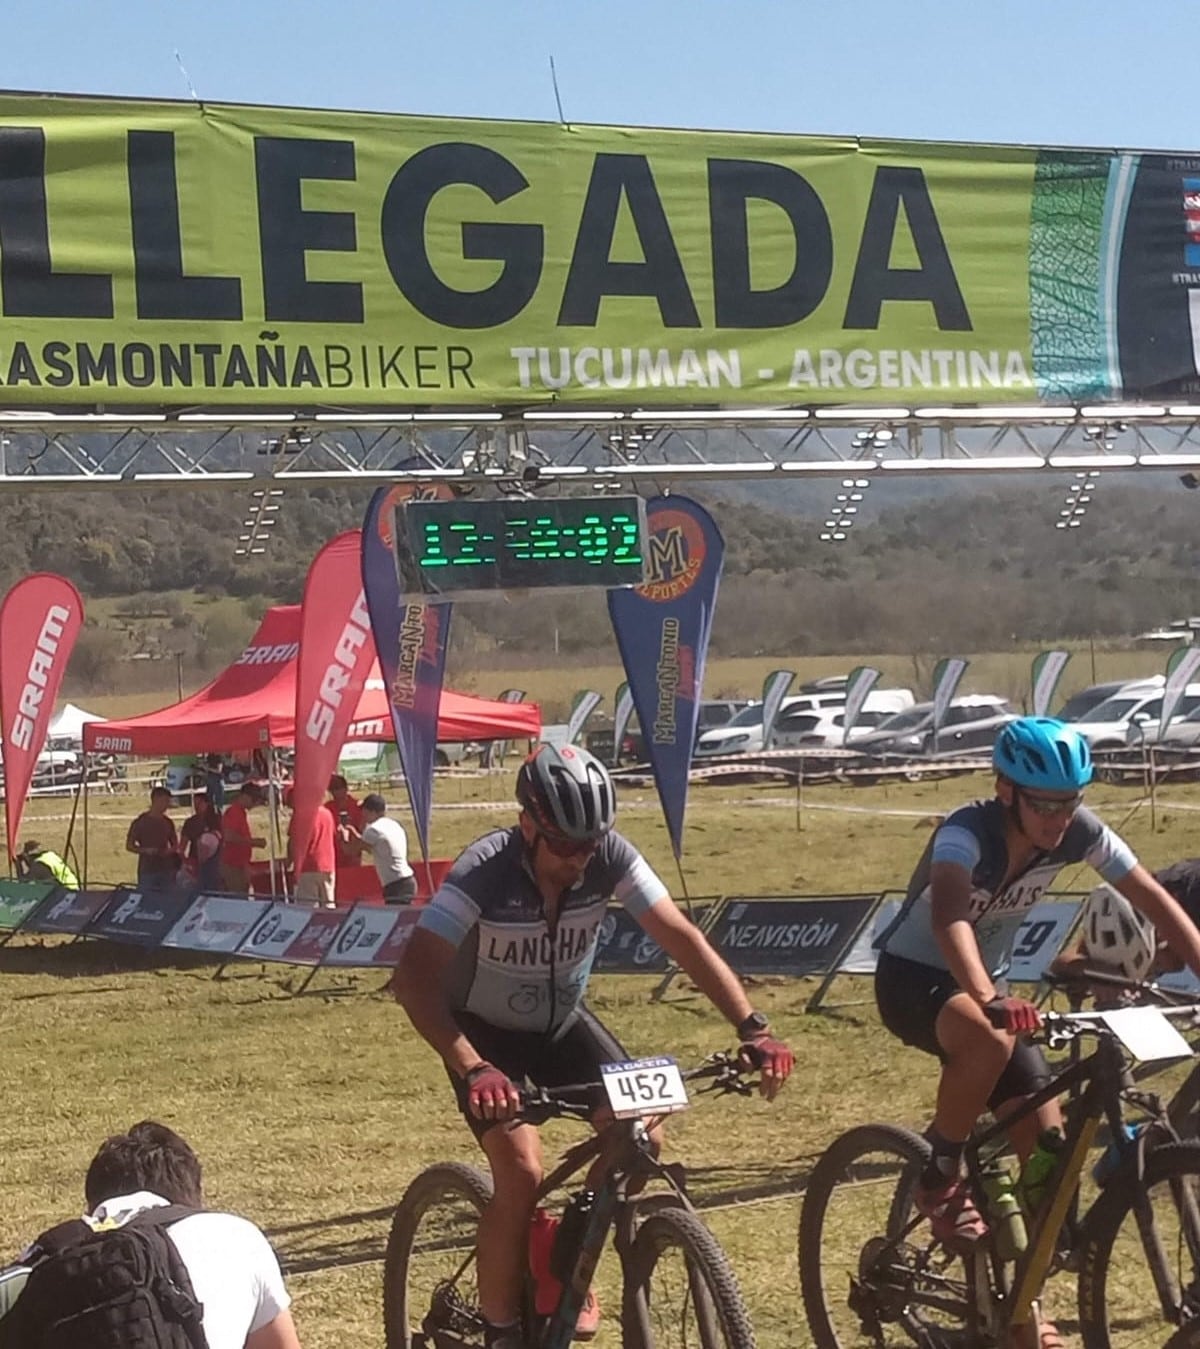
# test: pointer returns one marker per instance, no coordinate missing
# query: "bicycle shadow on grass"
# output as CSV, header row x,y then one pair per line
x,y
326,1243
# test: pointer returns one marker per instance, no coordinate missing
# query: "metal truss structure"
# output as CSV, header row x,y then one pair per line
x,y
533,451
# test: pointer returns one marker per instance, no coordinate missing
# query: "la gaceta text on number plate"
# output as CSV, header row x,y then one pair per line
x,y
644,1087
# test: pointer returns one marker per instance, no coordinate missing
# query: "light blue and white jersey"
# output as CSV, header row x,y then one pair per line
x,y
973,837
510,969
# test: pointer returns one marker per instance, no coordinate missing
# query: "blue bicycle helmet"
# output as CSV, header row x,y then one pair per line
x,y
1044,753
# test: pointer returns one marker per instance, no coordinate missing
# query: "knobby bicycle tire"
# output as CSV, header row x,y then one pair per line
x,y
909,1153
716,1300
1176,1166
446,1182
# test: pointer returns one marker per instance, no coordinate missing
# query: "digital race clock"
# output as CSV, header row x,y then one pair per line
x,y
446,547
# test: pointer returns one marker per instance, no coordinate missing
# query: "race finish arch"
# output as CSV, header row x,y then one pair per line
x,y
210,293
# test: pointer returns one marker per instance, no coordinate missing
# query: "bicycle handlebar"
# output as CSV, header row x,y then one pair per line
x,y
1060,1028
1085,977
724,1072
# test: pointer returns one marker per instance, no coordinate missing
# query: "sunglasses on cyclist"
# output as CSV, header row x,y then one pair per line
x,y
1051,805
569,847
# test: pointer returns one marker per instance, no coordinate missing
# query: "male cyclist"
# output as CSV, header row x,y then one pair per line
x,y
494,975
940,984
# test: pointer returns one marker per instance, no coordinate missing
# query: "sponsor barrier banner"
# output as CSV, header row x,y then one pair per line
x,y
216,923
336,653
138,919
273,937
70,911
662,630
1039,938
411,638
625,949
365,930
39,621
862,956
19,899
311,945
1047,671
255,256
787,936
389,951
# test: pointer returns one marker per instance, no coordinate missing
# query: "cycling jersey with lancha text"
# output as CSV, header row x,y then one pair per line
x,y
510,969
973,837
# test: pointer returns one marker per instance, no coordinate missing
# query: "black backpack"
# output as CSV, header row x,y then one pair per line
x,y
123,1288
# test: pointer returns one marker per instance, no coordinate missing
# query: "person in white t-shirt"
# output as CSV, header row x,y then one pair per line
x,y
234,1272
386,841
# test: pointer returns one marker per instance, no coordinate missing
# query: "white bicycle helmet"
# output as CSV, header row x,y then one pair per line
x,y
1116,936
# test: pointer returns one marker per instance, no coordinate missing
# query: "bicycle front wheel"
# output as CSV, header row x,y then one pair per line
x,y
1139,1283
429,1286
680,1292
871,1273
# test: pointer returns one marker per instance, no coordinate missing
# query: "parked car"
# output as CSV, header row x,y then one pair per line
x,y
825,729
1182,733
1108,725
1081,703
744,733
970,726
716,712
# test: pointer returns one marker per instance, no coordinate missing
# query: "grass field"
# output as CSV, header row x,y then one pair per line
x,y
312,1113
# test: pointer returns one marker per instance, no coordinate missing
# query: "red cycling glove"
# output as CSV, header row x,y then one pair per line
x,y
773,1058
1014,1015
491,1094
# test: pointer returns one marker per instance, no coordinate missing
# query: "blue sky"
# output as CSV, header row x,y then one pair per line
x,y
1036,71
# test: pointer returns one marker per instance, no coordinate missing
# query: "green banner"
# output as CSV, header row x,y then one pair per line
x,y
18,899
186,254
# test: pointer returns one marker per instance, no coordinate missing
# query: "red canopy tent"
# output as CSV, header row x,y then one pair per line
x,y
252,705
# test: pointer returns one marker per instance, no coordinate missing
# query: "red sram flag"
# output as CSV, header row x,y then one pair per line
x,y
39,621
337,651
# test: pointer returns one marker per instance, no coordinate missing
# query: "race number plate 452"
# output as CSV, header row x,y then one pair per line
x,y
644,1087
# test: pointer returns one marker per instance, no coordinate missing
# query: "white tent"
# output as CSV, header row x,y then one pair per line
x,y
68,723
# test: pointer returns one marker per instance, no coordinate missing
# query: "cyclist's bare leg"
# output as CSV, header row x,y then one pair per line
x,y
515,1154
976,1054
1023,1133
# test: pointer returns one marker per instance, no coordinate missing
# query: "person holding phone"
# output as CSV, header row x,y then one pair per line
x,y
346,813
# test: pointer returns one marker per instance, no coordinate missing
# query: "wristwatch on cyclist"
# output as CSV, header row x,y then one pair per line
x,y
754,1024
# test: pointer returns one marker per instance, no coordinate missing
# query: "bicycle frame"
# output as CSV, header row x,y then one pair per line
x,y
1095,1084
631,1158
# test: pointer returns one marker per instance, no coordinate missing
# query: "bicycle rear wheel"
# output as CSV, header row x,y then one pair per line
x,y
429,1289
1139,1284
680,1292
871,1273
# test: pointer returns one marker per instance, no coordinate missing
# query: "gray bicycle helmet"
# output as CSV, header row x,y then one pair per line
x,y
567,792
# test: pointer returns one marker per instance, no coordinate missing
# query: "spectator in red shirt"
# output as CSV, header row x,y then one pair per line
x,y
313,865
344,810
152,838
238,842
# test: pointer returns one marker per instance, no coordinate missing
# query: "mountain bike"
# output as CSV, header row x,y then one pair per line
x,y
872,1273
678,1287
